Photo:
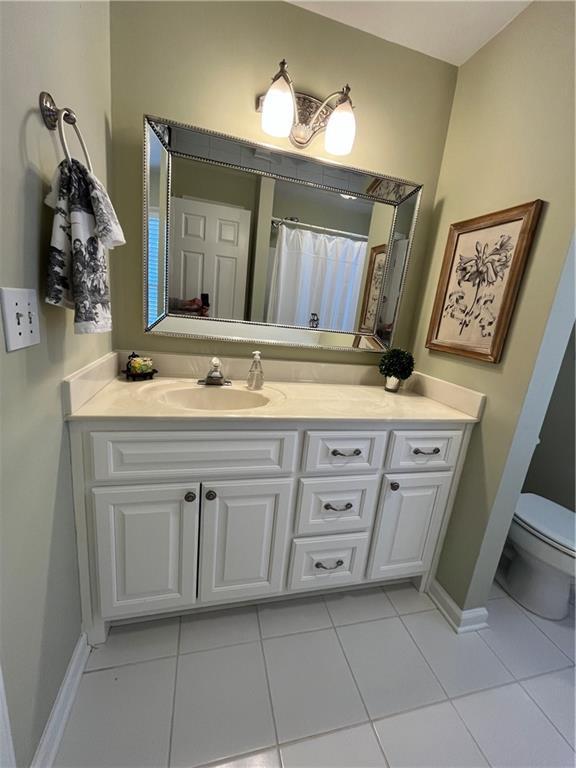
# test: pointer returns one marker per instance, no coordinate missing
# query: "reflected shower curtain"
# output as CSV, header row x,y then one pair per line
x,y
316,273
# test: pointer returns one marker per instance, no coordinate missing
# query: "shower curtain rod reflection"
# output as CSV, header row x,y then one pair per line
x,y
276,223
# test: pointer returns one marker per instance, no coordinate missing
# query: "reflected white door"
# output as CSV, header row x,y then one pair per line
x,y
209,254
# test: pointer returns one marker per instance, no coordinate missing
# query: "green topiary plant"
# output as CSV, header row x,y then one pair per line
x,y
397,363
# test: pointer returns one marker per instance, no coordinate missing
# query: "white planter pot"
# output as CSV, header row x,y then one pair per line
x,y
392,384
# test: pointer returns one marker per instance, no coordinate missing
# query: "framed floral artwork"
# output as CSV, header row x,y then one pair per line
x,y
483,265
372,285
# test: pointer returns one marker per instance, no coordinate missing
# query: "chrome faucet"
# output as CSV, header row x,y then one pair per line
x,y
215,377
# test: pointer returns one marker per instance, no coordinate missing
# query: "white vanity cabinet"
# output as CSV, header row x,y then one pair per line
x,y
171,518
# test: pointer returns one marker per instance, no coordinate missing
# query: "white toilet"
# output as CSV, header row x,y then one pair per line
x,y
542,568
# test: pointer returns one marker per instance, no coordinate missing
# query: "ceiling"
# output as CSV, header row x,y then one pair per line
x,y
451,30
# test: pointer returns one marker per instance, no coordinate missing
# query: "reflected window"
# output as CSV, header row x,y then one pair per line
x,y
153,261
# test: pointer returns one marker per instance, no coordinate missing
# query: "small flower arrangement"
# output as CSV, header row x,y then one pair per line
x,y
139,368
396,365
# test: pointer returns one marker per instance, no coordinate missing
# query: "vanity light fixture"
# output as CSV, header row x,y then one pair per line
x,y
301,117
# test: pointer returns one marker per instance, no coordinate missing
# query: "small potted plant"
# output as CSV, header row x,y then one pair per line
x,y
396,365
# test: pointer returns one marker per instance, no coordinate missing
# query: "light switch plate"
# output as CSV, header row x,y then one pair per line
x,y
20,317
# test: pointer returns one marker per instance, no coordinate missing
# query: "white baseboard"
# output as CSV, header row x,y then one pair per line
x,y
7,756
50,741
461,621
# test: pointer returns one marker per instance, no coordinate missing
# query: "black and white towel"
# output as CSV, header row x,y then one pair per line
x,y
85,225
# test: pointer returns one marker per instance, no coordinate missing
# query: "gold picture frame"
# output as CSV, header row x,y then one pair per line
x,y
484,261
372,285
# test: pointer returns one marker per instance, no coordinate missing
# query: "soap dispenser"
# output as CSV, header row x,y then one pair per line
x,y
255,374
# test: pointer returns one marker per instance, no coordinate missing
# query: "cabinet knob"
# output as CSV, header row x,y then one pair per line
x,y
394,486
190,496
211,495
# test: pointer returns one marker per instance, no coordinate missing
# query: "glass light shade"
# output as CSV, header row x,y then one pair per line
x,y
340,130
278,109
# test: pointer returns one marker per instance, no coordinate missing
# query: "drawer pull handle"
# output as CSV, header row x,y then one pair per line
x,y
190,496
355,452
346,506
394,486
322,567
420,452
211,495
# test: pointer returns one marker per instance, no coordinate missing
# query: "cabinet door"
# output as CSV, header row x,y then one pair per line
x,y
245,525
147,543
409,518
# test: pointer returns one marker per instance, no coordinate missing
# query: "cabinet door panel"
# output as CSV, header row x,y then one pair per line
x,y
409,517
147,542
244,538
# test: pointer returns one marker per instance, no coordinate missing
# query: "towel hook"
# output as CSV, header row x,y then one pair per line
x,y
55,118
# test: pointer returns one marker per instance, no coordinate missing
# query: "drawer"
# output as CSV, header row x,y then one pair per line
x,y
343,452
326,561
423,450
157,455
335,504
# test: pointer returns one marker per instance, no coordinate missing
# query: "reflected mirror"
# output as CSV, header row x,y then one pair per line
x,y
244,242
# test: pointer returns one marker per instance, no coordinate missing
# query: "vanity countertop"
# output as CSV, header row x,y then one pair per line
x,y
287,401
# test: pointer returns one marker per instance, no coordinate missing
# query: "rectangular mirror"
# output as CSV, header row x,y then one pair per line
x,y
248,243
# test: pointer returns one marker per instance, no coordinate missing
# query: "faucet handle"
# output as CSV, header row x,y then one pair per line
x,y
216,363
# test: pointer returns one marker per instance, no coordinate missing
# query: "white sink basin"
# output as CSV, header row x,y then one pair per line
x,y
189,396
214,399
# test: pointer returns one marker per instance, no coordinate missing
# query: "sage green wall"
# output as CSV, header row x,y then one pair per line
x,y
61,47
552,469
208,182
511,140
204,63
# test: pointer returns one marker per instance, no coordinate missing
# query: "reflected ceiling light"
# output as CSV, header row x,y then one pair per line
x,y
300,117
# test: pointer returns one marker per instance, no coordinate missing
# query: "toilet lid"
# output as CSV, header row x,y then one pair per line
x,y
548,518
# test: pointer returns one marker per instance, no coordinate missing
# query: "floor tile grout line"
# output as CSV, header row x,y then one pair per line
x,y
432,607
546,635
527,678
218,647
356,683
174,693
268,686
421,652
320,734
465,724
129,663
495,652
217,763
523,677
528,614
552,723
505,685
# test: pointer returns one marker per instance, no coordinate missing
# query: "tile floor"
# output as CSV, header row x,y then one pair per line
x,y
368,679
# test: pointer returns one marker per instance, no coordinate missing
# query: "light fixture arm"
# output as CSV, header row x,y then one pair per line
x,y
344,95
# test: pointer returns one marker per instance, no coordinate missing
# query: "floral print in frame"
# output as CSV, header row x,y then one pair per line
x,y
483,265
